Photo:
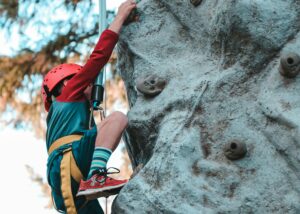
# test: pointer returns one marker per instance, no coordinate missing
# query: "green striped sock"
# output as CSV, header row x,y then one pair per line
x,y
100,158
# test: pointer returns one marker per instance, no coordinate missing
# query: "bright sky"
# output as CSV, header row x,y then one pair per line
x,y
21,148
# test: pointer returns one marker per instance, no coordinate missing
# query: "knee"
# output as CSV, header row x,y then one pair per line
x,y
120,118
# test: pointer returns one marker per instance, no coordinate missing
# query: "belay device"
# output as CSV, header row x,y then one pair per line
x,y
99,84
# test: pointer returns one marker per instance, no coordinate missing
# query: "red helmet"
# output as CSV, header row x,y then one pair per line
x,y
53,77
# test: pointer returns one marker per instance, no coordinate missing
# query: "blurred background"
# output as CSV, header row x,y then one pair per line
x,y
35,36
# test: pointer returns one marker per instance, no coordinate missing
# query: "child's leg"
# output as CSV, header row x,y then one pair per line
x,y
108,137
109,133
110,130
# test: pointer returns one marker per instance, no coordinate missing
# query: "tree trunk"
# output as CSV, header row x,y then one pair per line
x,y
221,132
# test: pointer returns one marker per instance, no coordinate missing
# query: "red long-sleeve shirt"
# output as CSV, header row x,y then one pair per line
x,y
99,57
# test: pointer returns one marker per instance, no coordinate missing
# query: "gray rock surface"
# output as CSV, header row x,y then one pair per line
x,y
221,63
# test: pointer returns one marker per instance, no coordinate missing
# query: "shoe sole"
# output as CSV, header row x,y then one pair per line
x,y
105,194
91,194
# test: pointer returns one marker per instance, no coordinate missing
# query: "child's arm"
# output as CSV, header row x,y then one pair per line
x,y
99,57
123,12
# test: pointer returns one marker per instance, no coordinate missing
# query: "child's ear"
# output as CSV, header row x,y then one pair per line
x,y
65,82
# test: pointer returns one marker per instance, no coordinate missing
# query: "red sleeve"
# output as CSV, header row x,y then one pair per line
x,y
99,57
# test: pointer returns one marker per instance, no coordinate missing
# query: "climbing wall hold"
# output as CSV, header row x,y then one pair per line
x,y
196,2
289,65
132,17
150,85
235,150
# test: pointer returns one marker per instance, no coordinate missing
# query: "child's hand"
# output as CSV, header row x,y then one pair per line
x,y
125,9
123,12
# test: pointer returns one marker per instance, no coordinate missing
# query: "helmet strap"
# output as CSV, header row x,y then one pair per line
x,y
47,90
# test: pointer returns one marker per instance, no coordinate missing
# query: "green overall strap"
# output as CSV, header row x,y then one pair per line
x,y
68,168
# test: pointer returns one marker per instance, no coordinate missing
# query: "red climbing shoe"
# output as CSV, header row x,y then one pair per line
x,y
100,185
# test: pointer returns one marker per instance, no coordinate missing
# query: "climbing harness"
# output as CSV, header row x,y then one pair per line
x,y
68,168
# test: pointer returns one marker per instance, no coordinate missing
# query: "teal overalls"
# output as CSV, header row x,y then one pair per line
x,y
82,150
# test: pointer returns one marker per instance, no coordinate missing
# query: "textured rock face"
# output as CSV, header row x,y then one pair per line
x,y
223,91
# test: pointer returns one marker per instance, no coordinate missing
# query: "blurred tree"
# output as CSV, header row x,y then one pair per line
x,y
38,179
42,34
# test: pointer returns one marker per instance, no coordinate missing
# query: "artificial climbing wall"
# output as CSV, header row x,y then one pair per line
x,y
214,116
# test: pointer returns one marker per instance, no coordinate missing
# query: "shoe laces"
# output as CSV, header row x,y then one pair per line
x,y
105,172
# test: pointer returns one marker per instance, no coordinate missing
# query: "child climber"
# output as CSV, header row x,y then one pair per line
x,y
76,167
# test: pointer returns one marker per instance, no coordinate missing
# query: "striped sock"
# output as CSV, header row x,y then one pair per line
x,y
100,158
